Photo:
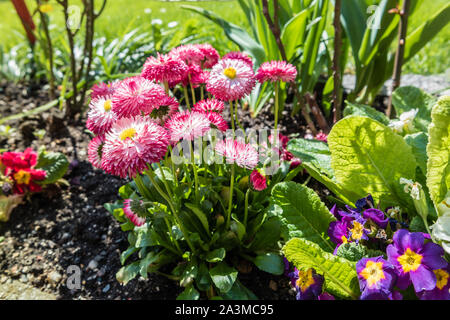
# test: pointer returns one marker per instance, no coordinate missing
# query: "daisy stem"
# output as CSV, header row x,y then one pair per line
x,y
246,207
164,180
276,104
175,179
192,89
186,97
141,187
166,87
232,116
202,95
195,172
230,201
150,174
236,116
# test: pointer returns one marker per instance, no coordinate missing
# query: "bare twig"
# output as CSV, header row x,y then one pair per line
x,y
402,28
336,62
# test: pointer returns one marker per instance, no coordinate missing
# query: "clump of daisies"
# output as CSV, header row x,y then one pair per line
x,y
197,188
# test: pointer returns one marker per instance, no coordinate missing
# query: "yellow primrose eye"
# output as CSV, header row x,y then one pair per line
x,y
305,279
107,105
230,72
441,277
22,177
410,261
373,272
127,133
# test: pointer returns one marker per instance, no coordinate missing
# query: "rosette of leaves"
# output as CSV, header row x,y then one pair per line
x,y
209,260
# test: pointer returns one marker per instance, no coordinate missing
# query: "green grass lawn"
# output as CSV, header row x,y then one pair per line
x,y
122,15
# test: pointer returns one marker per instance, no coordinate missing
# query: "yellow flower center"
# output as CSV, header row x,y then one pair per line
x,y
305,279
107,105
410,261
127,133
344,239
230,72
441,277
357,230
22,177
373,272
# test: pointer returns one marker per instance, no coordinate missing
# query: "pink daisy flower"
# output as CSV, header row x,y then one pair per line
x,y
100,117
136,95
189,53
237,55
168,106
321,137
187,125
257,180
209,105
217,121
103,89
230,79
276,71
244,155
131,144
128,210
164,68
211,56
95,148
198,79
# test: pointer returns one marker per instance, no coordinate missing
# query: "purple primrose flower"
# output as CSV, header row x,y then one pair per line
x,y
376,278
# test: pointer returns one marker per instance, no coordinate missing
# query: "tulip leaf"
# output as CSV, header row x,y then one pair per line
x,y
302,213
368,157
438,150
339,273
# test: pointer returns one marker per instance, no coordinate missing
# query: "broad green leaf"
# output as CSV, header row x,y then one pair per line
x,y
339,273
239,292
438,150
54,163
407,98
203,279
216,255
293,33
190,293
368,157
419,37
357,109
270,262
312,151
418,142
302,213
223,276
128,272
267,235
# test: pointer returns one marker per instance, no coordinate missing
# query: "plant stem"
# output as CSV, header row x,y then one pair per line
x,y
172,207
277,84
175,179
164,180
336,62
230,201
186,97
192,91
166,87
246,207
236,116
232,116
194,167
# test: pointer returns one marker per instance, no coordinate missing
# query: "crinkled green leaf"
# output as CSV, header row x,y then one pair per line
x,y
351,251
357,109
302,213
367,157
339,273
407,98
438,150
312,151
418,142
54,163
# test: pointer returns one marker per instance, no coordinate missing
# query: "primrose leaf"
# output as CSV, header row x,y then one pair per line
x,y
339,273
312,151
438,150
407,98
270,262
223,276
302,213
351,251
356,109
418,142
54,163
368,157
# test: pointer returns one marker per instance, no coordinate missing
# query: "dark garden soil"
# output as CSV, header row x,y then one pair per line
x,y
68,225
